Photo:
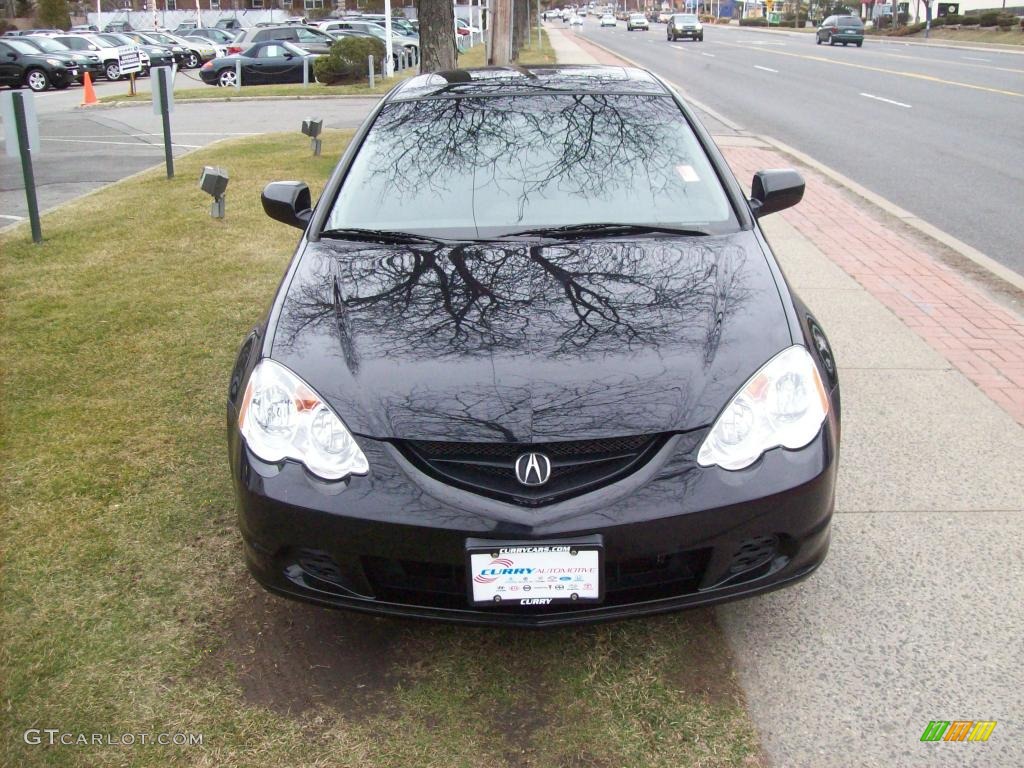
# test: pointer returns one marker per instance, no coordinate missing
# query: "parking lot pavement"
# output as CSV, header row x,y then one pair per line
x,y
84,149
918,612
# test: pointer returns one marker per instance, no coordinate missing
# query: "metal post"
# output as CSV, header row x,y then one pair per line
x,y
26,166
238,75
165,116
305,71
370,57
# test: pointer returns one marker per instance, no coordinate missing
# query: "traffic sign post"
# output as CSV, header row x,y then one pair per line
x,y
163,103
21,131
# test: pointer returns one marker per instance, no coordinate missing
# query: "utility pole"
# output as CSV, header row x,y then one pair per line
x,y
500,28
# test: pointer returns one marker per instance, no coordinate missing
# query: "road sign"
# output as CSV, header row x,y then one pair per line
x,y
129,59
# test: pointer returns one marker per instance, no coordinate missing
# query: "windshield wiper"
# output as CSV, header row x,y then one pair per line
x,y
609,230
386,236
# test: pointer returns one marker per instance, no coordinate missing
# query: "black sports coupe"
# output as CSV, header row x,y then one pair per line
x,y
533,363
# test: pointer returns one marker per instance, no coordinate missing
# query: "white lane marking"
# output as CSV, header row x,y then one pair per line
x,y
887,101
767,42
975,58
678,47
12,218
121,143
709,55
766,69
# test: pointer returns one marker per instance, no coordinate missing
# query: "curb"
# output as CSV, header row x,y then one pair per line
x,y
922,227
116,183
221,100
885,40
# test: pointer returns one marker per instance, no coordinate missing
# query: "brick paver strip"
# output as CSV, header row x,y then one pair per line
x,y
973,332
976,334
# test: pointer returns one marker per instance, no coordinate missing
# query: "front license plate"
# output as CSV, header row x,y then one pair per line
x,y
535,572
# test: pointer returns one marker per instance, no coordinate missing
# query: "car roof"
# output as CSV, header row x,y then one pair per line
x,y
491,81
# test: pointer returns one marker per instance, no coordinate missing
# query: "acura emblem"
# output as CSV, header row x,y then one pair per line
x,y
533,469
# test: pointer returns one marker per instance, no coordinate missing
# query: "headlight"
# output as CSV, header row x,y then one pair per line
x,y
283,418
783,404
54,62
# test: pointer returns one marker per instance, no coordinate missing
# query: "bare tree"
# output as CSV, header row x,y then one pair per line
x,y
437,36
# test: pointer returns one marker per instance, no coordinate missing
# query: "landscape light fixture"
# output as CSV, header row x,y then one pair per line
x,y
214,182
312,126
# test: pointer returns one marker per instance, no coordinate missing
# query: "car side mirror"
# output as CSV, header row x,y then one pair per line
x,y
775,190
288,202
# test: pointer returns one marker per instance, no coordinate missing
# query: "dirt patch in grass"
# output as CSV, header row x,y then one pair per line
x,y
290,657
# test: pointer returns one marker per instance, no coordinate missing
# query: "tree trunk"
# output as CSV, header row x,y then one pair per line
x,y
437,36
520,25
500,25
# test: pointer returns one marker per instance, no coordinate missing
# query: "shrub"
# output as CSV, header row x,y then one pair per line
x,y
910,29
347,60
754,22
1005,20
989,18
970,21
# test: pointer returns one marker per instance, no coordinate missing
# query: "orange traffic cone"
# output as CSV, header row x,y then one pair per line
x,y
88,95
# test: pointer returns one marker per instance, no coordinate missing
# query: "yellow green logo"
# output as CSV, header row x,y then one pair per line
x,y
958,730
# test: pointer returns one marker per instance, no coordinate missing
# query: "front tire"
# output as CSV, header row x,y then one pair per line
x,y
37,80
860,43
831,41
192,60
817,39
226,78
112,71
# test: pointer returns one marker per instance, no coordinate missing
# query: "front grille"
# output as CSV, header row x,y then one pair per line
x,y
577,466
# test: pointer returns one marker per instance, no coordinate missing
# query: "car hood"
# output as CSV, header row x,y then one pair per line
x,y
521,342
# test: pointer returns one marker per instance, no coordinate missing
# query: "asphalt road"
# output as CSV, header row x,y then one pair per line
x,y
938,131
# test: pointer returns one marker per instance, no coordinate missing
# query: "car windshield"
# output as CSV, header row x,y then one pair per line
x,y
49,45
21,46
686,19
476,167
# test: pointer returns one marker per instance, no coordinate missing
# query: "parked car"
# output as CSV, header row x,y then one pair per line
x,y
307,38
101,44
118,26
228,25
153,54
21,63
185,55
266,62
608,21
370,27
214,35
84,28
841,29
85,61
206,48
685,25
185,28
663,17
637,21
591,367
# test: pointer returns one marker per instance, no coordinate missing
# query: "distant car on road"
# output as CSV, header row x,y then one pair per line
x,y
264,63
841,29
637,21
21,63
608,21
685,25
576,21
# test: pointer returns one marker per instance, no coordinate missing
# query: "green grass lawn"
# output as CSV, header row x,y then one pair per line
x,y
125,604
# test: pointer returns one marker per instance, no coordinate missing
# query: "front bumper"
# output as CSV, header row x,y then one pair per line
x,y
675,534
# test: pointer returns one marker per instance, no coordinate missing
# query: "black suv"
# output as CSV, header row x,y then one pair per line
x,y
23,64
685,25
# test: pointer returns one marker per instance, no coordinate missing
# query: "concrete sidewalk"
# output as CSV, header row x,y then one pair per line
x,y
917,613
